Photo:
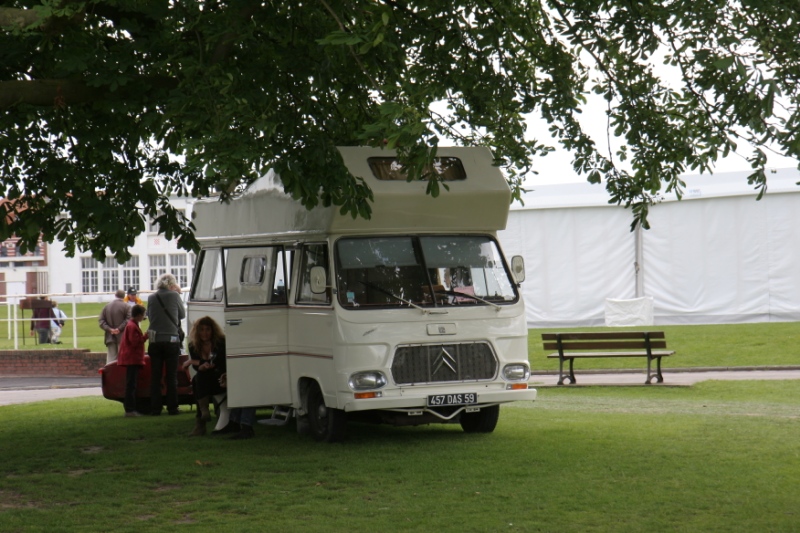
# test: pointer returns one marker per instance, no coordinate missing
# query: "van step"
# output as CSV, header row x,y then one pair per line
x,y
280,416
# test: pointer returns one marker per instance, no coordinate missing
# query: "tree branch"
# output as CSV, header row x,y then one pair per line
x,y
353,53
56,93
61,93
225,45
13,18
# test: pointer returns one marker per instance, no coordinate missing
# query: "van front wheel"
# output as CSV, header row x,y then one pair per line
x,y
326,423
484,421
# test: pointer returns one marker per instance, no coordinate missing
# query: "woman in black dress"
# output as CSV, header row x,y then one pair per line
x,y
207,356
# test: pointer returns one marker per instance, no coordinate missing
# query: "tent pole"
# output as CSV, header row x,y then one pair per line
x,y
638,270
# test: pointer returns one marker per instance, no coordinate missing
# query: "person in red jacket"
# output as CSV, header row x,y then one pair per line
x,y
131,355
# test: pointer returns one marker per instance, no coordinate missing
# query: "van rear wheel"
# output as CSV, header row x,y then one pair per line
x,y
484,421
326,423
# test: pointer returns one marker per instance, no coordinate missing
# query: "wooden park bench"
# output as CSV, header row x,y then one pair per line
x,y
571,346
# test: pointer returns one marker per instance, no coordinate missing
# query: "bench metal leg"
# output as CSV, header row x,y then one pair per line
x,y
561,376
650,376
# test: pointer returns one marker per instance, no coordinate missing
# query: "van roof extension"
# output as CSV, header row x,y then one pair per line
x,y
478,203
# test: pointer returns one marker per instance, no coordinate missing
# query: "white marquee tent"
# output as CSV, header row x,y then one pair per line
x,y
717,256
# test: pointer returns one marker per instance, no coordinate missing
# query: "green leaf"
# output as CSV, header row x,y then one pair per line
x,y
724,63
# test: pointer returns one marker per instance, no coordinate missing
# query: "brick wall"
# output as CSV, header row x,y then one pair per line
x,y
58,362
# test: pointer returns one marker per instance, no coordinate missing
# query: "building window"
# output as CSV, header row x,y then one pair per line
x,y
175,264
89,274
158,266
130,273
110,275
178,267
105,276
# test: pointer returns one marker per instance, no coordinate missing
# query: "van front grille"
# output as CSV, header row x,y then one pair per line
x,y
436,363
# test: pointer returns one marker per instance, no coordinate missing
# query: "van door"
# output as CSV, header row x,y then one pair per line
x,y
311,319
256,325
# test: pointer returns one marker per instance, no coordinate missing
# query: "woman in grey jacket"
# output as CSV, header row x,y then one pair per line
x,y
165,311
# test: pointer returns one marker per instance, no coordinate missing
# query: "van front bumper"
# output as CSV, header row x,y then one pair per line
x,y
416,398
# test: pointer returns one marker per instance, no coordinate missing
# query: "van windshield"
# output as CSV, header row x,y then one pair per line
x,y
435,270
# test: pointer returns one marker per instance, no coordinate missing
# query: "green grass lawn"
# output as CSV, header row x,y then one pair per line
x,y
774,343
718,456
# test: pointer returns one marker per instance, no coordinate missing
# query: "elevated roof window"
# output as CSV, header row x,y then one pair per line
x,y
390,169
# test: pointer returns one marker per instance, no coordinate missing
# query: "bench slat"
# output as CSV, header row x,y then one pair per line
x,y
600,335
655,353
608,345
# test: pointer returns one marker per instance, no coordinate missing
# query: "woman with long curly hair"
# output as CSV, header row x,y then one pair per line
x,y
207,356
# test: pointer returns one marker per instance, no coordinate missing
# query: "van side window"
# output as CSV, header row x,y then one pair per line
x,y
252,273
312,255
208,277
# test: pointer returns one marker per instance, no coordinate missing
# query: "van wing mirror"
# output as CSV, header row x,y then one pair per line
x,y
518,268
318,279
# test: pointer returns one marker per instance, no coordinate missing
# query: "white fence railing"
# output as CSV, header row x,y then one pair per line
x,y
15,318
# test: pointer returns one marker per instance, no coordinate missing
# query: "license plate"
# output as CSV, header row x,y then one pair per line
x,y
464,398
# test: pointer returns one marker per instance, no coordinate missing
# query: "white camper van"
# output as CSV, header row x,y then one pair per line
x,y
411,317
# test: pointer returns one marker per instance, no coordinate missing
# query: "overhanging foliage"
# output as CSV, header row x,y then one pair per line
x,y
109,107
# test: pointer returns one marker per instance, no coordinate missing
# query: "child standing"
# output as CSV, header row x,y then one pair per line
x,y
131,354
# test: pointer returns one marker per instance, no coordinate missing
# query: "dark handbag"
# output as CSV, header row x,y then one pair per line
x,y
181,333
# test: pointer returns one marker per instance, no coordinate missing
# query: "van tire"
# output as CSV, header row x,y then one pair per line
x,y
484,421
326,423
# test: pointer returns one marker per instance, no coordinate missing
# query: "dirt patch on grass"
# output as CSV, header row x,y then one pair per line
x,y
92,449
187,519
166,488
14,500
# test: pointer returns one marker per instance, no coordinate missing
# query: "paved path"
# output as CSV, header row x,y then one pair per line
x,y
8,397
15,390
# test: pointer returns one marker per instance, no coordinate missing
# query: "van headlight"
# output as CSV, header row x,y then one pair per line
x,y
371,379
516,372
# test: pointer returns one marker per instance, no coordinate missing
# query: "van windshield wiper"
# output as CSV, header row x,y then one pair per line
x,y
467,295
392,295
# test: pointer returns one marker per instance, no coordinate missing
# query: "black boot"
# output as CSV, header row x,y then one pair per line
x,y
232,427
199,428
